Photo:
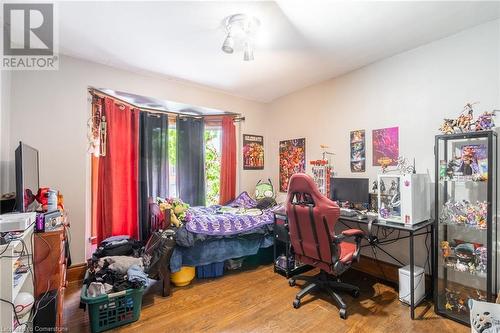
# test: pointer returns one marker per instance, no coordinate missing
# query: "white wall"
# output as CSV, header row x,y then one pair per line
x,y
414,90
7,183
50,111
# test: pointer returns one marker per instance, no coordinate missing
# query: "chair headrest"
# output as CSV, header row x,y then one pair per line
x,y
303,183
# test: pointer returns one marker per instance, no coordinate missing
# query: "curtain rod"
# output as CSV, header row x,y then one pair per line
x,y
100,93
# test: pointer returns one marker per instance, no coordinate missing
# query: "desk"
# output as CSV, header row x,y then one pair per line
x,y
423,228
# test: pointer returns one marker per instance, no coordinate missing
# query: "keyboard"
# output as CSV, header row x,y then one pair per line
x,y
348,212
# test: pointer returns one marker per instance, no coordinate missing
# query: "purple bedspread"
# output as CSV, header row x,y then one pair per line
x,y
205,220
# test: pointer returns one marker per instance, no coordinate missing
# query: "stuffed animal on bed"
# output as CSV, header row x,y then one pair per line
x,y
178,210
264,190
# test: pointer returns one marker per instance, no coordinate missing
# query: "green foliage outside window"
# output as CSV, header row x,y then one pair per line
x,y
172,145
212,166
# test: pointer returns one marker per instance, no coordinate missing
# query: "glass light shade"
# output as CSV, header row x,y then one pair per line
x,y
228,45
248,52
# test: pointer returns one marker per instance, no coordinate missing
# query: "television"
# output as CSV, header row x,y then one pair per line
x,y
27,177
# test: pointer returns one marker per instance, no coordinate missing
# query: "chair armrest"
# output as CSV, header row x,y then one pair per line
x,y
358,236
353,232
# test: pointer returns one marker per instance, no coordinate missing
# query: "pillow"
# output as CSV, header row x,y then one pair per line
x,y
266,203
243,200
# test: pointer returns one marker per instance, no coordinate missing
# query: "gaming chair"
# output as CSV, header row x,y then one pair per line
x,y
311,221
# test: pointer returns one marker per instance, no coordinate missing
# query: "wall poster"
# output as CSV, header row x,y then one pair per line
x,y
253,152
385,146
358,151
292,157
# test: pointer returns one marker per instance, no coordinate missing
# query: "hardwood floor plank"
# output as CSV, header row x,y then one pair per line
x,y
258,300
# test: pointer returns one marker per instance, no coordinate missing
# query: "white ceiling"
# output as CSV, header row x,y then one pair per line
x,y
299,43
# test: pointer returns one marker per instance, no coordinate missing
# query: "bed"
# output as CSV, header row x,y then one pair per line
x,y
217,233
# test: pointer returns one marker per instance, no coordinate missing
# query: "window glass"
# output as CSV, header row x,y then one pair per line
x,y
212,163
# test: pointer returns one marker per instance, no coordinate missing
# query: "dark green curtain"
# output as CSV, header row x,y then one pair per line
x,y
153,164
191,160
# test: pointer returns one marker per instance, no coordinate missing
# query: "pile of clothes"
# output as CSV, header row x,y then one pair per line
x,y
116,265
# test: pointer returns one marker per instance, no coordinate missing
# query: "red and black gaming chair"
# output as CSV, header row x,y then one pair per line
x,y
311,220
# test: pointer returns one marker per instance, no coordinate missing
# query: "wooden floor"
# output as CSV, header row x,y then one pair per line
x,y
259,300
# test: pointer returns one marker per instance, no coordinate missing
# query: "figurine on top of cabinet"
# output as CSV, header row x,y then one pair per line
x,y
485,121
464,123
460,125
447,127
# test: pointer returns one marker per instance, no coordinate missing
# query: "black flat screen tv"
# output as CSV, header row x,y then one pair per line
x,y
27,177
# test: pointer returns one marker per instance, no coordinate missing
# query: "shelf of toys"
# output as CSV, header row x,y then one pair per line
x,y
465,260
322,171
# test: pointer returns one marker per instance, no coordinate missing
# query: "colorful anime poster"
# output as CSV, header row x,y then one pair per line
x,y
358,151
292,160
253,152
385,146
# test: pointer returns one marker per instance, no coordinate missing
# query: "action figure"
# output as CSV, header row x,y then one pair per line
x,y
394,188
460,125
447,127
485,121
446,251
382,187
464,121
452,167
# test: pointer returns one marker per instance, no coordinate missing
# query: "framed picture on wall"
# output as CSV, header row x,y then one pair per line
x,y
292,159
385,143
253,152
358,151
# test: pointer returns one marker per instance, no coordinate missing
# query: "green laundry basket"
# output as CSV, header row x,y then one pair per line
x,y
113,310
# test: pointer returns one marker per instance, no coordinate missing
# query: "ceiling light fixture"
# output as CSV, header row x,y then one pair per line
x,y
228,45
241,30
248,52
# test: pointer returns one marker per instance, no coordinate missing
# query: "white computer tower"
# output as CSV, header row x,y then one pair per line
x,y
404,198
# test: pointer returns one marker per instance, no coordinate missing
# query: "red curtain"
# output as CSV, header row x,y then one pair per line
x,y
117,188
228,161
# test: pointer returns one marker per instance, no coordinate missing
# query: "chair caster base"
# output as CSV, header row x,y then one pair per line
x,y
343,313
291,282
355,293
296,303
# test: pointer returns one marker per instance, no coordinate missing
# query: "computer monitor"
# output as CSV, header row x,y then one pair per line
x,y
354,190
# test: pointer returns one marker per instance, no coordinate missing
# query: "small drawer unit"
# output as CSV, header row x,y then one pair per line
x,y
284,257
404,284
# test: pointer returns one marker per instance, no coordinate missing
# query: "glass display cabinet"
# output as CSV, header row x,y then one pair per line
x,y
466,231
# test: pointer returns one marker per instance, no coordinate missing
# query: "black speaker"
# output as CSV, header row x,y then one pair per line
x,y
46,316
